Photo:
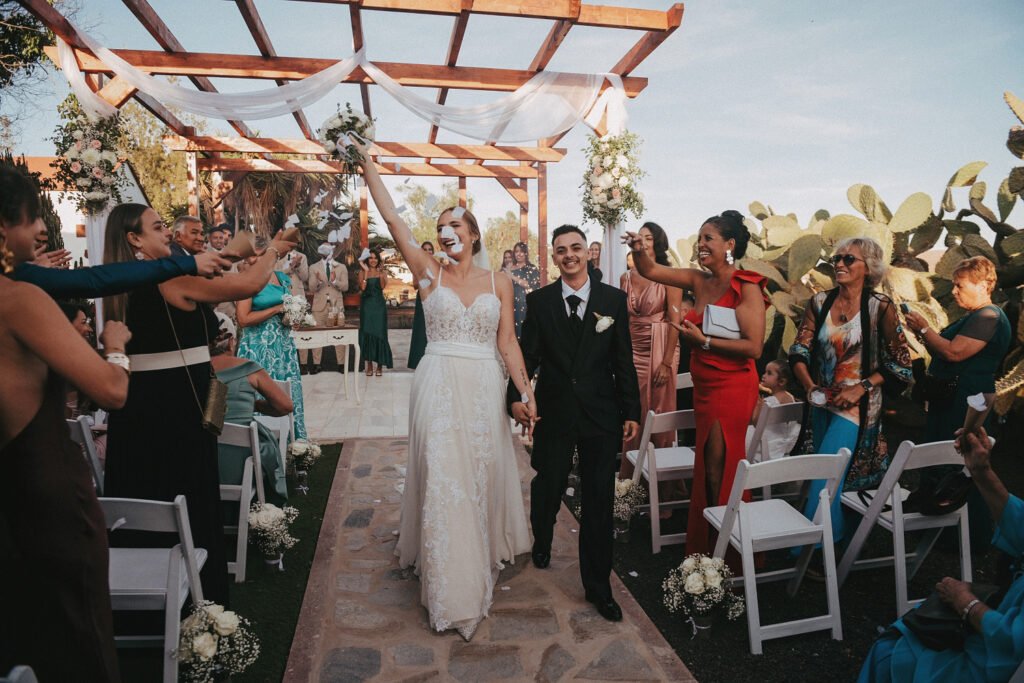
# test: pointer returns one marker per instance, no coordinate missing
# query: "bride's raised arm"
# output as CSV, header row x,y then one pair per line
x,y
420,262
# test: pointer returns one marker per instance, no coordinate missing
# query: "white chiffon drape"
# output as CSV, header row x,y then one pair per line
x,y
462,510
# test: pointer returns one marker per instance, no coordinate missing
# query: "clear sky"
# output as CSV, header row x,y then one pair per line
x,y
787,103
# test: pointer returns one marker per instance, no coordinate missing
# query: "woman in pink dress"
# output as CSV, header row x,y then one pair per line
x,y
652,306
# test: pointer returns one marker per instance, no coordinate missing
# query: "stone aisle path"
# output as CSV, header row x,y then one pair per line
x,y
361,617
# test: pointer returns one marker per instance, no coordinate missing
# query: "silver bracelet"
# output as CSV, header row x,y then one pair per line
x,y
967,610
120,360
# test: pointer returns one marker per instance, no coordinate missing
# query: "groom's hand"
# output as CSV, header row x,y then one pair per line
x,y
524,417
630,430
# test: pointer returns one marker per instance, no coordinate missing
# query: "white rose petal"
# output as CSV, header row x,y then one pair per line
x,y
91,156
622,161
689,564
623,181
608,161
603,323
226,623
707,563
616,172
694,584
205,645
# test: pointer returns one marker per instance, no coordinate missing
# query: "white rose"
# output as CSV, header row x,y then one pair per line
x,y
707,563
607,180
78,135
595,178
603,146
71,154
599,199
91,156
614,203
96,196
107,180
110,157
622,486
622,161
329,146
205,645
603,323
370,132
83,182
689,564
616,172
333,122
713,578
608,161
214,609
623,181
226,623
694,584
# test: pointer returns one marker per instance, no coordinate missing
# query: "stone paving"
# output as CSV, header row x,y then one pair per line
x,y
361,617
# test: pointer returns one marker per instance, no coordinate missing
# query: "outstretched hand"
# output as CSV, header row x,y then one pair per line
x,y
58,258
633,241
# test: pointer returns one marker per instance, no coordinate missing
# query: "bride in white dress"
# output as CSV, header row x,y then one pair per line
x,y
462,509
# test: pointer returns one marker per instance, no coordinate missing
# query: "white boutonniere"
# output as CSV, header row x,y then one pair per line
x,y
603,322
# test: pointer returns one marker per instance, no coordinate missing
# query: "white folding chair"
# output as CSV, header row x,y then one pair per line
x,y
282,426
883,507
154,579
20,674
81,433
764,525
663,464
243,492
1018,675
684,380
760,447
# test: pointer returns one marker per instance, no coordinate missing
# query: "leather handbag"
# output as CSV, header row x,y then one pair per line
x,y
216,406
937,625
946,496
720,322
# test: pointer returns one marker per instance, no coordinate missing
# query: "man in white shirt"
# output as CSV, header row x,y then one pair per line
x,y
328,281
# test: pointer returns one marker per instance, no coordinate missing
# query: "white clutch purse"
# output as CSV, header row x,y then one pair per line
x,y
720,322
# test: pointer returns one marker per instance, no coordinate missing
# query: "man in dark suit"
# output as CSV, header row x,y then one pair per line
x,y
587,399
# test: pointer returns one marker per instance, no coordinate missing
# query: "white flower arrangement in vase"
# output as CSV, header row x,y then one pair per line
x,y
269,525
215,642
87,158
628,496
338,131
610,178
700,585
296,311
303,453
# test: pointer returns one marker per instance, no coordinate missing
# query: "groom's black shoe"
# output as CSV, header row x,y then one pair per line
x,y
541,558
606,607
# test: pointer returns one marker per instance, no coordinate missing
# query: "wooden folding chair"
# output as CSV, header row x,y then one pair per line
x,y
242,493
81,433
883,508
663,464
154,579
764,525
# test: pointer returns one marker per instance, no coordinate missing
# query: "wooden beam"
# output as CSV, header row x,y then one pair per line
x,y
164,114
166,39
542,221
364,214
585,15
251,17
318,166
356,20
117,91
463,200
555,36
524,215
517,193
647,44
210,143
454,47
192,177
294,68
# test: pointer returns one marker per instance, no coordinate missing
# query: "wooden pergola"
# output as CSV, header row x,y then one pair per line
x,y
513,167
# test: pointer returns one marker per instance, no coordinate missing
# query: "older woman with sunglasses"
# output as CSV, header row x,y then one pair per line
x,y
849,343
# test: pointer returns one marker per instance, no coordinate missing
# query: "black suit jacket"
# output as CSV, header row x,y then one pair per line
x,y
592,383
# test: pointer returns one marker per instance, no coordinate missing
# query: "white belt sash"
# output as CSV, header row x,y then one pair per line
x,y
461,350
148,362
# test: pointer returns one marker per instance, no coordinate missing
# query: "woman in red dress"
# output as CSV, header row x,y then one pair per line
x,y
724,376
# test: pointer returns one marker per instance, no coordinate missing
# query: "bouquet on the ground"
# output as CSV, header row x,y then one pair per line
x,y
86,159
628,496
269,526
610,179
215,642
296,311
303,453
700,585
337,133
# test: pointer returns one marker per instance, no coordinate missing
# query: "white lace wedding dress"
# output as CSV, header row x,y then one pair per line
x,y
462,509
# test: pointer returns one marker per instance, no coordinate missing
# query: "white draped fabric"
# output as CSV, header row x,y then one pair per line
x,y
546,106
613,254
95,235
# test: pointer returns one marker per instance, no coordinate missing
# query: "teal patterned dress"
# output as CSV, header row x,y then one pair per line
x,y
270,346
373,325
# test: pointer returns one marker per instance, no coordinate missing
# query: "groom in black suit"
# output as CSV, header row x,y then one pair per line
x,y
587,398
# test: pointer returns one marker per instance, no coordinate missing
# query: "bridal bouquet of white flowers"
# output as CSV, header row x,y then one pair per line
x,y
627,497
269,525
214,643
699,585
337,132
296,311
303,453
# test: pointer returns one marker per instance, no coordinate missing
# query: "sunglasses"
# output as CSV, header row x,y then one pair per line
x,y
847,259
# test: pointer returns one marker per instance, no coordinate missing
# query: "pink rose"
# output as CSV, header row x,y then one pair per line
x,y
615,193
76,167
78,145
96,144
97,172
598,170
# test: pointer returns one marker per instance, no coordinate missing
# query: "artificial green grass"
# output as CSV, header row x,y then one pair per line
x,y
269,599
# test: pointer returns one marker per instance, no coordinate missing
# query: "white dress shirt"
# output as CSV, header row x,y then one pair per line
x,y
583,293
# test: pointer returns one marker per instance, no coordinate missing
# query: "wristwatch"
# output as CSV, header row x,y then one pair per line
x,y
866,385
923,331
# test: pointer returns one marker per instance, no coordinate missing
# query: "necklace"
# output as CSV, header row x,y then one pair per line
x,y
843,318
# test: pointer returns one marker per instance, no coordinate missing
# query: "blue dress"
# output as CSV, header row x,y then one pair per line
x,y
989,656
271,346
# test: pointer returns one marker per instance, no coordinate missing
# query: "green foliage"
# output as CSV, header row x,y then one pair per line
x,y
422,208
162,174
54,238
502,233
22,39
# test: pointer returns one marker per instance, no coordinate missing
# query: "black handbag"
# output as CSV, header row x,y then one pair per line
x,y
937,625
948,495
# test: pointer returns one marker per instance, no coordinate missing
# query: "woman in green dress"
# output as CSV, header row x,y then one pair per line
x,y
966,355
250,390
418,345
373,315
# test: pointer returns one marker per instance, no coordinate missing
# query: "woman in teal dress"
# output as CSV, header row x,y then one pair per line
x,y
373,315
995,642
418,345
247,382
268,341
966,356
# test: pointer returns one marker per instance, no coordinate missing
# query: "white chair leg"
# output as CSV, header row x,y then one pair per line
x,y
652,490
172,619
899,561
750,586
828,552
966,570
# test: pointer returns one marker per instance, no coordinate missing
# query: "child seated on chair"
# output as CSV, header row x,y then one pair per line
x,y
775,382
